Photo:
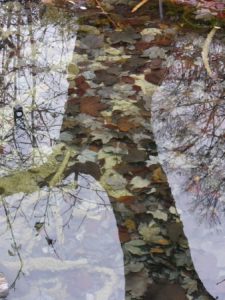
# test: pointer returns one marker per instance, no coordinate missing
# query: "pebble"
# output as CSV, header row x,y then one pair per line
x,y
4,286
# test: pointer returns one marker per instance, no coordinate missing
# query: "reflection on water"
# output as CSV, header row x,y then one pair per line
x,y
59,241
66,240
188,120
36,47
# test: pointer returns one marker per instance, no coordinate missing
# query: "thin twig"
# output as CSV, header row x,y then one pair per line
x,y
140,4
15,245
116,25
205,51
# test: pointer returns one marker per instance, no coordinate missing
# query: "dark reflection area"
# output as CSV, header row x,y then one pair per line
x,y
36,47
62,243
189,126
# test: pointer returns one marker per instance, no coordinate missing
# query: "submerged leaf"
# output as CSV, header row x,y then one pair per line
x,y
137,283
160,215
134,247
150,233
138,182
130,224
158,176
190,285
127,36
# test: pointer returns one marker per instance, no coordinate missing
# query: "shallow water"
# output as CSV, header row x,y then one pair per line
x,y
188,124
77,140
62,243
58,241
36,49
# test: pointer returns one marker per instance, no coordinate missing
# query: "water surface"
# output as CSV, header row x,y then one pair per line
x,y
188,123
59,238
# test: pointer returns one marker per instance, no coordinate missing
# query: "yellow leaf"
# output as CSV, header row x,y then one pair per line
x,y
162,242
156,250
130,224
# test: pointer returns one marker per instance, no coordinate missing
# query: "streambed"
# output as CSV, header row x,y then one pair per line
x,y
107,138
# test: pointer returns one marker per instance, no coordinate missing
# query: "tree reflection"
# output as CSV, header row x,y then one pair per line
x,y
74,225
58,227
194,121
35,54
189,126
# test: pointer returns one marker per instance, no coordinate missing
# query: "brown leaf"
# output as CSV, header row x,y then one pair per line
x,y
163,41
142,45
175,231
95,148
126,199
105,77
156,76
126,36
159,176
156,64
91,105
137,88
79,80
71,91
137,283
134,21
92,41
137,208
127,79
134,64
111,126
125,124
74,101
135,155
124,234
67,123
82,85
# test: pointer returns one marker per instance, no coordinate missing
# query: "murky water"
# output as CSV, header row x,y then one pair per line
x,y
188,121
59,239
